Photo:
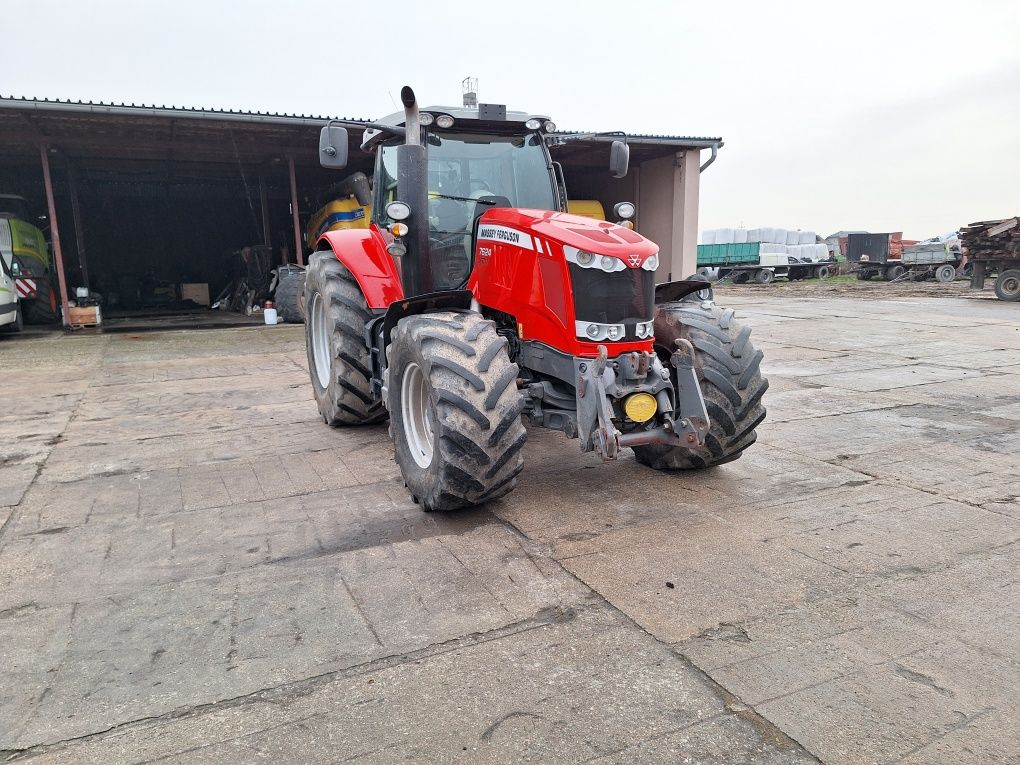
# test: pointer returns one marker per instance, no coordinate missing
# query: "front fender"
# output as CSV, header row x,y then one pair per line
x,y
363,252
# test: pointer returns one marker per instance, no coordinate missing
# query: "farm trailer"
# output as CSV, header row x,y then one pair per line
x,y
746,261
994,248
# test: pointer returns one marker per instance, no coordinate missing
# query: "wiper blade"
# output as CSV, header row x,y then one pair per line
x,y
481,201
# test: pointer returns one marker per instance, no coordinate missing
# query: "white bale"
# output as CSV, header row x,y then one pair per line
x,y
724,236
793,237
773,248
767,234
807,237
754,235
740,236
779,235
708,236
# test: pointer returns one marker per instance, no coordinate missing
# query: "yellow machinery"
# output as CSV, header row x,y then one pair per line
x,y
337,214
350,207
347,212
589,208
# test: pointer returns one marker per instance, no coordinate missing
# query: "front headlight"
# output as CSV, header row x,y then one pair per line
x,y
651,263
595,332
586,259
397,210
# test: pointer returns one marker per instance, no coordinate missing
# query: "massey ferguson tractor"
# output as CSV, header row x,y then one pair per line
x,y
474,304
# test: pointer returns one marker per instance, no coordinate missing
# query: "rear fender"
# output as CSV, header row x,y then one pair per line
x,y
363,252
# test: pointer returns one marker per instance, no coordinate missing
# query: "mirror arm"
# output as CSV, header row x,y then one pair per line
x,y
396,130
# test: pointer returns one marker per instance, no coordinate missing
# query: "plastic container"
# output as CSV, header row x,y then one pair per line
x,y
270,313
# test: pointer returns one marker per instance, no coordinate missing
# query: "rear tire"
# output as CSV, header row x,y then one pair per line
x,y
339,361
822,272
455,411
45,307
764,276
288,298
1007,285
731,383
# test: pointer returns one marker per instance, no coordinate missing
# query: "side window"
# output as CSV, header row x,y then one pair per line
x,y
385,188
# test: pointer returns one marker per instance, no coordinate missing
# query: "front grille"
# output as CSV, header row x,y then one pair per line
x,y
624,297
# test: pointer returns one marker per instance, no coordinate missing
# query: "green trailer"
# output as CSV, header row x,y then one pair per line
x,y
715,255
741,262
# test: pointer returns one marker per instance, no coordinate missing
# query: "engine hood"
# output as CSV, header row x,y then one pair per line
x,y
600,237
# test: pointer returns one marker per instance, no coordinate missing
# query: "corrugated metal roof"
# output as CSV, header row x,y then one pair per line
x,y
111,108
101,106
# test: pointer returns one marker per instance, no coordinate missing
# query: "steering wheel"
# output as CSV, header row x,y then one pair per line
x,y
477,184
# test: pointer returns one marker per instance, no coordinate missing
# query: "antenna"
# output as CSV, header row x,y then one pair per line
x,y
469,86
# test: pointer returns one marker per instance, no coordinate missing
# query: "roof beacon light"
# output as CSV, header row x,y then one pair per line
x,y
550,126
533,124
444,121
425,118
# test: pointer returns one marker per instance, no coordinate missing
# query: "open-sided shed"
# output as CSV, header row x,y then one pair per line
x,y
162,195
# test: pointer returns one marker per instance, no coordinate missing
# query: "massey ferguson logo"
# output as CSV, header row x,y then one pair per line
x,y
634,259
506,235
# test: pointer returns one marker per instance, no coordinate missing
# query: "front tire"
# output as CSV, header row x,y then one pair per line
x,y
455,411
44,308
894,272
339,360
728,367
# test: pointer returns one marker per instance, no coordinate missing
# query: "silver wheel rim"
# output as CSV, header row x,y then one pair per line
x,y
320,341
416,416
1011,285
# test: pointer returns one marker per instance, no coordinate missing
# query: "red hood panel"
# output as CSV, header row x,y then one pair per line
x,y
600,237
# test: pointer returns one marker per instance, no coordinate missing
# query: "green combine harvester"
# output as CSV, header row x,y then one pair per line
x,y
27,259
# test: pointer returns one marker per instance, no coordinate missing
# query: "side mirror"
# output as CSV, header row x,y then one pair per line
x,y
619,159
333,147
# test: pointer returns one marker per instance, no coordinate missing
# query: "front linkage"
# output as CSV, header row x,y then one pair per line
x,y
599,381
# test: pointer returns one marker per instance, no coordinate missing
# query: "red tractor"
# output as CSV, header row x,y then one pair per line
x,y
474,304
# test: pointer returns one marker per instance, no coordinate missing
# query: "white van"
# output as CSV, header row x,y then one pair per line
x,y
10,308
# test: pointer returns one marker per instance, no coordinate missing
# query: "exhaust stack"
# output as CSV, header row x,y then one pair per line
x,y
412,189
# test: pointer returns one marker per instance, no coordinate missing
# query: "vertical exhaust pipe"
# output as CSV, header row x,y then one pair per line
x,y
412,124
412,189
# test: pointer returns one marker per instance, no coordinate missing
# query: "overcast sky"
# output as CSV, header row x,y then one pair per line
x,y
884,116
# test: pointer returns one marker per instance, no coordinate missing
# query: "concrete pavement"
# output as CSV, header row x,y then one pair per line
x,y
193,567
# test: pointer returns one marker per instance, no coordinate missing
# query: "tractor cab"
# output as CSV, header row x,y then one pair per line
x,y
467,173
464,162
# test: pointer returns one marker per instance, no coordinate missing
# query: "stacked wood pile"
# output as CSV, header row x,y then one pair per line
x,y
992,239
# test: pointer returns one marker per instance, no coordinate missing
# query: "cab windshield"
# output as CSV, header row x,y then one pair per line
x,y
468,174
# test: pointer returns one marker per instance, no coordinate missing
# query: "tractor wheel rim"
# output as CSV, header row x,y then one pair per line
x,y
320,341
416,416
1011,286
